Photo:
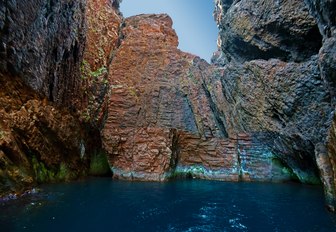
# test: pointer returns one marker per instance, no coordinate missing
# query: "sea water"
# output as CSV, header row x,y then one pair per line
x,y
184,205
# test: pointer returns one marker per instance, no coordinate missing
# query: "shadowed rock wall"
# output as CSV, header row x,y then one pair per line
x,y
42,42
38,141
53,100
265,29
292,96
41,48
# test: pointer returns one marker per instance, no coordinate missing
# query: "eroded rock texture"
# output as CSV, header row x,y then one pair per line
x,y
41,47
287,101
292,97
42,42
262,112
165,116
38,142
265,29
325,15
102,40
327,162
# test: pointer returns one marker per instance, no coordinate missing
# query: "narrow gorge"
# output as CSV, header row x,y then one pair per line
x,y
85,91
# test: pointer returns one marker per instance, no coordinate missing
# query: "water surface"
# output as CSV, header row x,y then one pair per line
x,y
189,205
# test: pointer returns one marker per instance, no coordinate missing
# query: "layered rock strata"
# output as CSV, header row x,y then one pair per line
x,y
168,116
38,141
263,112
102,39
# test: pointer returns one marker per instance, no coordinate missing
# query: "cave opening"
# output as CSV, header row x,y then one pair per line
x,y
193,22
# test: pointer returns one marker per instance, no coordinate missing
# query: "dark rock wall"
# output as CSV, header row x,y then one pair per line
x,y
289,93
325,14
42,42
41,49
264,29
286,101
327,162
52,91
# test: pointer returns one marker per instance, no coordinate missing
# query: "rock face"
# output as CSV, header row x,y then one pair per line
x,y
327,160
262,112
102,39
42,42
38,142
138,146
41,47
297,100
266,29
168,115
325,12
287,101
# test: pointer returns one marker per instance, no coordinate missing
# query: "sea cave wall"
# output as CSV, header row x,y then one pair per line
x,y
53,89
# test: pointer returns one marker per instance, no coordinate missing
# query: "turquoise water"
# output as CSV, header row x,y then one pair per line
x,y
188,205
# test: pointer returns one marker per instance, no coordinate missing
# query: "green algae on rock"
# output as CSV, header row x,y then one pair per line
x,y
40,142
99,165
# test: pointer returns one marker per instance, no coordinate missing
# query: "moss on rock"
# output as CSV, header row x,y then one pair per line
x,y
99,165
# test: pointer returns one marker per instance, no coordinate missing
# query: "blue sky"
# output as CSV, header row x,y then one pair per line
x,y
193,21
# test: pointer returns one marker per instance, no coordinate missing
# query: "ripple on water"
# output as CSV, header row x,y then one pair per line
x,y
235,223
105,205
